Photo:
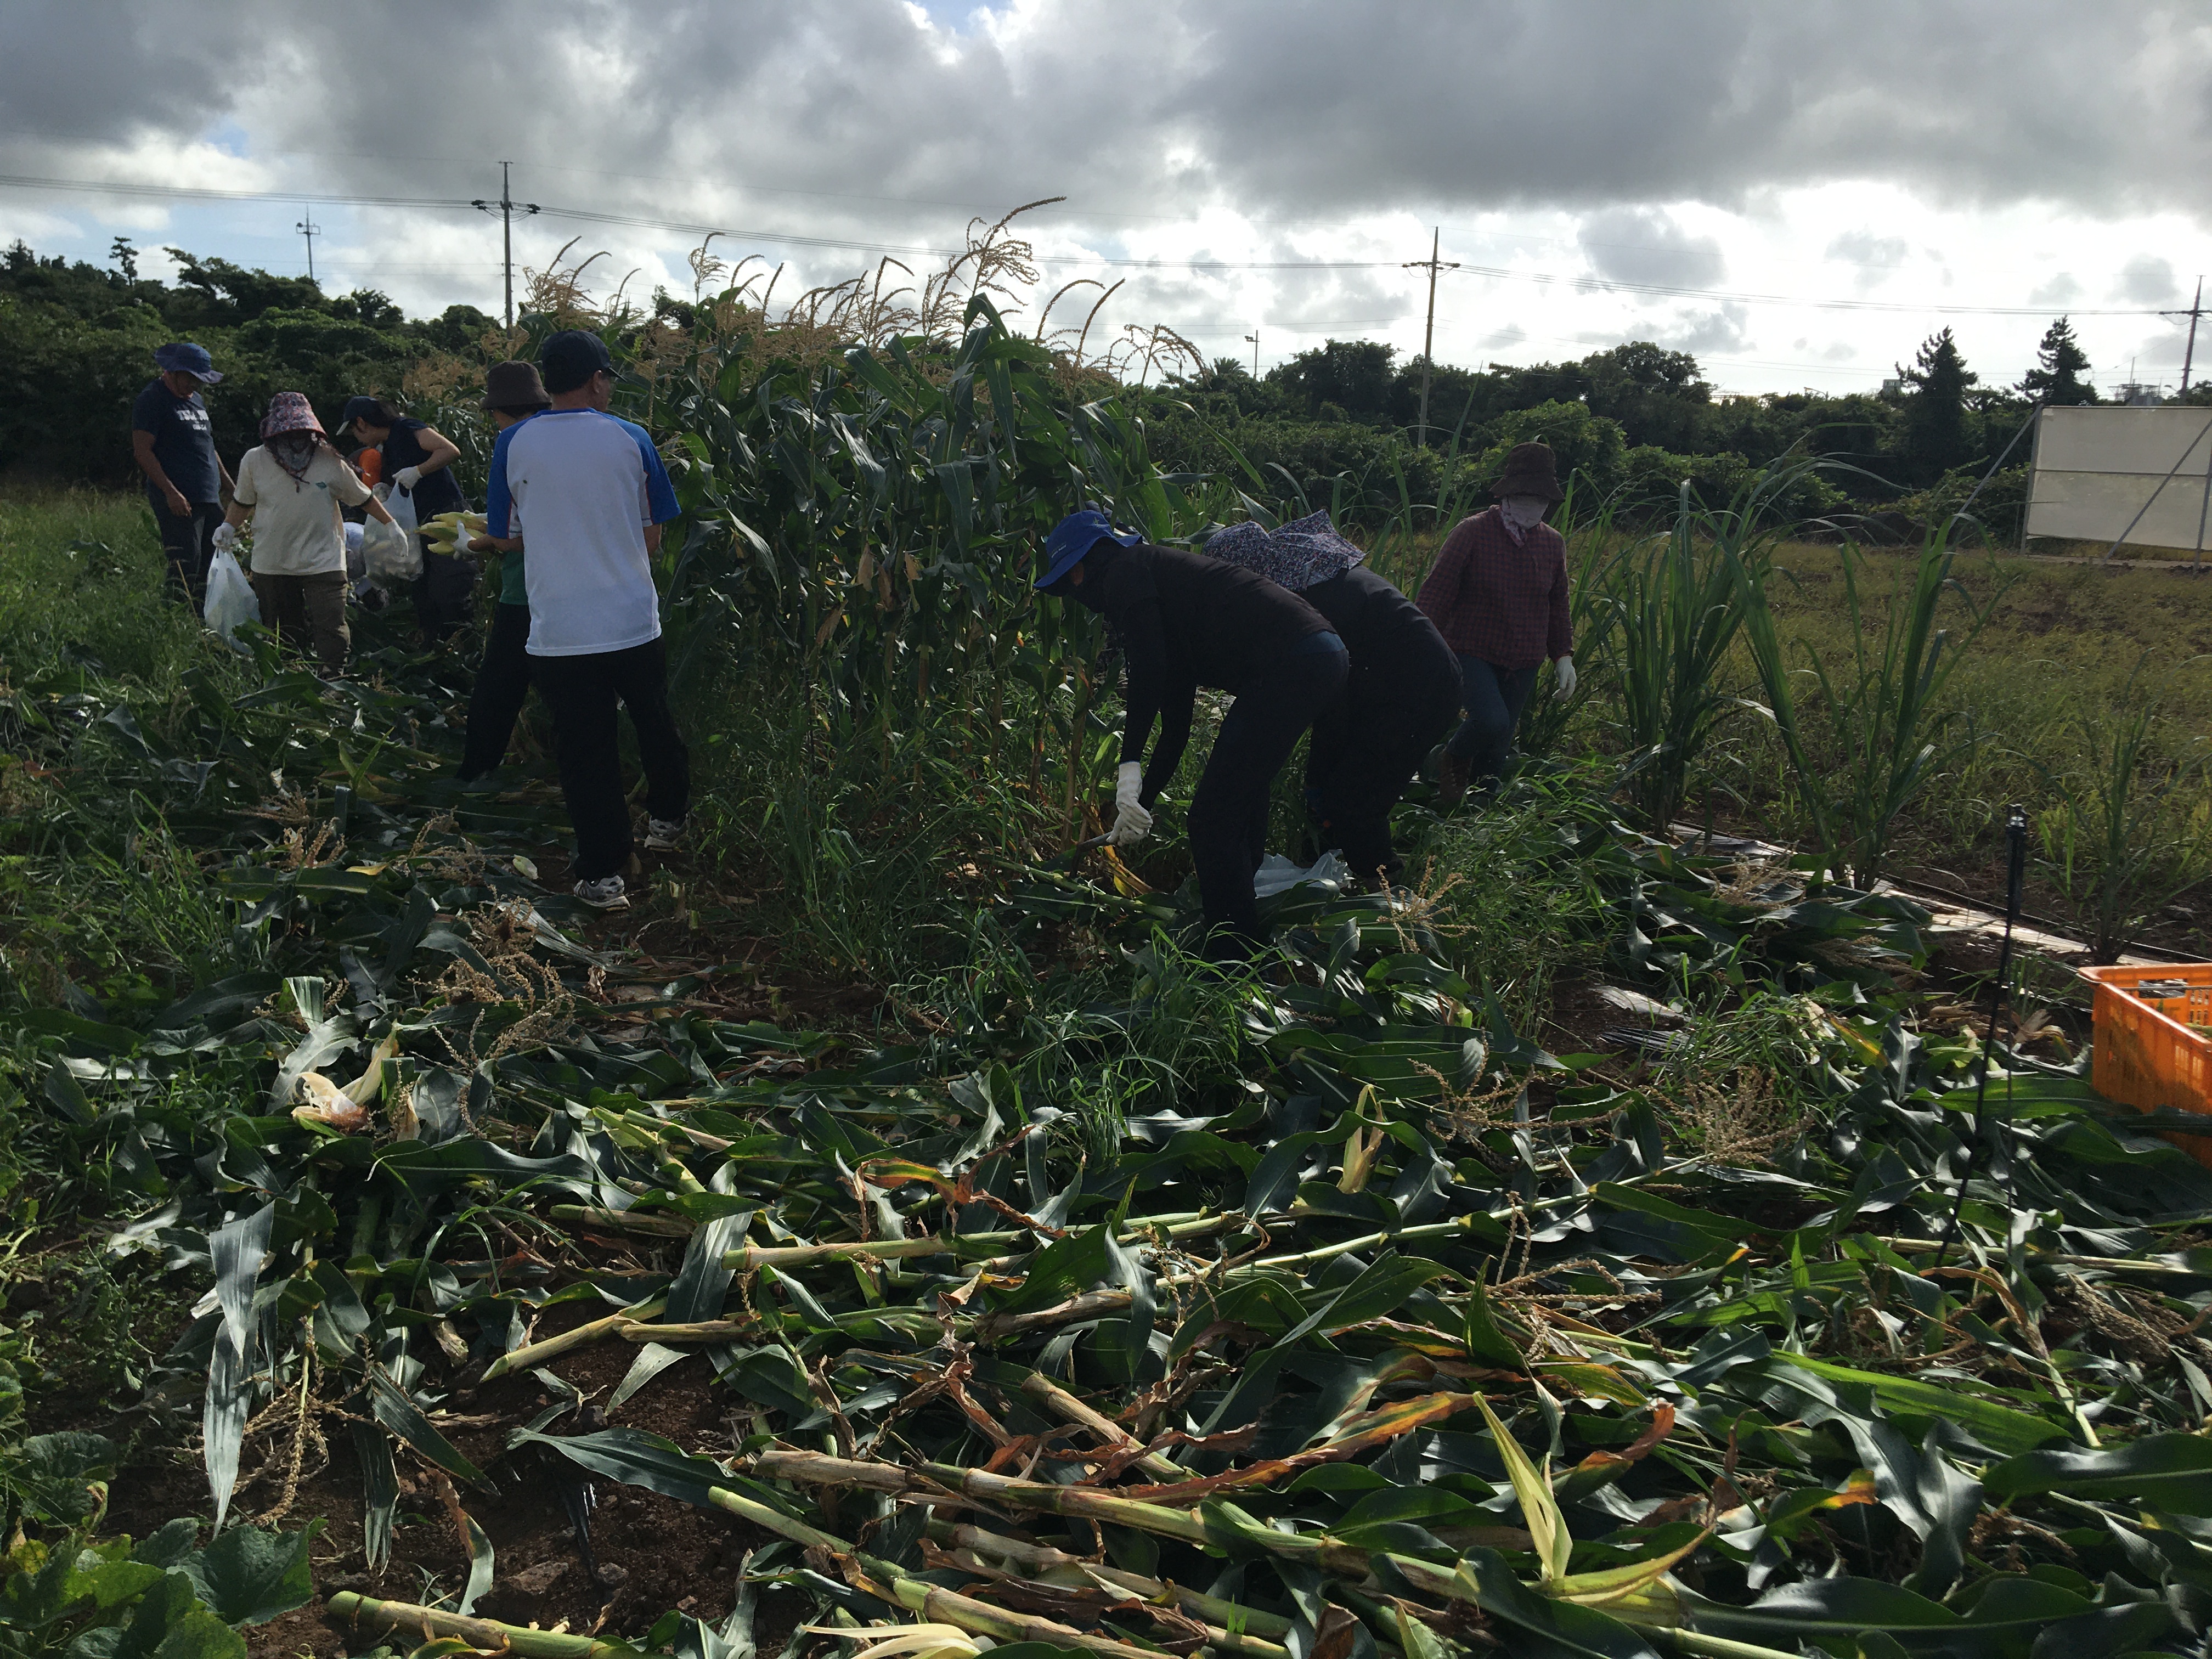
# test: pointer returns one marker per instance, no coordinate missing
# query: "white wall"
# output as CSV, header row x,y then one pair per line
x,y
2096,468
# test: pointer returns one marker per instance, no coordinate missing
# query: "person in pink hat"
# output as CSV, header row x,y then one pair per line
x,y
294,488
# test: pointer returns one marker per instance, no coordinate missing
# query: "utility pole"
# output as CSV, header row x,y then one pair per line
x,y
308,229
1254,337
2196,310
1432,264
505,207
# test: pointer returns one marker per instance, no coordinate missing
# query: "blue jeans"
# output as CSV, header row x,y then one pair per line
x,y
1494,698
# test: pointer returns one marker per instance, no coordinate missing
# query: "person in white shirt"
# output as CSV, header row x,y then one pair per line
x,y
588,494
294,488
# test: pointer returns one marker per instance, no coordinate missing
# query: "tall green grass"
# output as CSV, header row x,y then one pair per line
x,y
81,577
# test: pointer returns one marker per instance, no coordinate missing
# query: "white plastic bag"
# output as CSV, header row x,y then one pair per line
x,y
400,504
392,554
230,600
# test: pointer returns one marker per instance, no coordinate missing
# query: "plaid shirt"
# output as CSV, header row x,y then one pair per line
x,y
1499,599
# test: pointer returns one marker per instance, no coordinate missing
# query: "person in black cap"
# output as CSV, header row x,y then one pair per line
x,y
418,459
173,443
1402,693
1184,621
587,493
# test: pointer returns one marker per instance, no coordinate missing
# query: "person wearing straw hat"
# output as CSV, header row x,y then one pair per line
x,y
295,487
1401,694
513,393
1184,621
1498,593
173,442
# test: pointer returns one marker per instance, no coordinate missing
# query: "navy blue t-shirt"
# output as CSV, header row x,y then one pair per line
x,y
184,441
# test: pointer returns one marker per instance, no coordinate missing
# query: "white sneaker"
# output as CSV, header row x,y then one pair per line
x,y
605,894
663,834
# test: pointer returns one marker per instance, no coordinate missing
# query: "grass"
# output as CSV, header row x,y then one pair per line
x,y
2060,655
81,576
2065,653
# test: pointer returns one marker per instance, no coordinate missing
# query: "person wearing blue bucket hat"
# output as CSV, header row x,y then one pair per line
x,y
173,443
1182,621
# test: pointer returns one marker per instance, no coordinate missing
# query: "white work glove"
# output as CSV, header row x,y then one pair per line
x,y
407,476
226,537
1564,671
1132,824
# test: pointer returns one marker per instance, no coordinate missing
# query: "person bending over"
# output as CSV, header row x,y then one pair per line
x,y
1498,593
1185,620
588,494
1399,697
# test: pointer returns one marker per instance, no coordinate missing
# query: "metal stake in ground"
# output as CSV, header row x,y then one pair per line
x,y
2016,877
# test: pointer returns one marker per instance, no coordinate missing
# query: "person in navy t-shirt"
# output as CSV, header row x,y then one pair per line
x,y
173,443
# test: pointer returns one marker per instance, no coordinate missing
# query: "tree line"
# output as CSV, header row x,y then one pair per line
x,y
1631,423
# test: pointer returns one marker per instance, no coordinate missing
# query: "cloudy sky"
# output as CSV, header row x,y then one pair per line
x,y
1798,193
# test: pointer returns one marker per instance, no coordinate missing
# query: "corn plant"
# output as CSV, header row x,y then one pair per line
x,y
2119,840
1676,607
1887,734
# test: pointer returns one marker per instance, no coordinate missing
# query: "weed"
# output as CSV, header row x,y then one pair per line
x,y
2127,831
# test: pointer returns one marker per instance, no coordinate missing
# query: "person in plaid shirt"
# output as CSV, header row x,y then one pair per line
x,y
1498,592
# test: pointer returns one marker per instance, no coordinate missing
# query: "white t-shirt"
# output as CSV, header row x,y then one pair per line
x,y
580,487
297,528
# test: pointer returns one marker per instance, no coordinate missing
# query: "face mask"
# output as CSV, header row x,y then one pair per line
x,y
1524,512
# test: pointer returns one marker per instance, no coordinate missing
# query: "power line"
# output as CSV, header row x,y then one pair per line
x,y
1581,282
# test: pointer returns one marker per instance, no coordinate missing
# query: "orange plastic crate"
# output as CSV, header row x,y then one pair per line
x,y
2146,1055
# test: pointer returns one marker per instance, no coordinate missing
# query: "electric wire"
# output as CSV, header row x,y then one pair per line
x,y
1581,284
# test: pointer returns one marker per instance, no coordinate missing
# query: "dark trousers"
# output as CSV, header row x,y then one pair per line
x,y
1228,813
444,595
1367,746
305,608
1493,698
188,544
502,682
582,692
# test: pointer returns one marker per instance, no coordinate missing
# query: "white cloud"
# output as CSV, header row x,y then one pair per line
x,y
1760,150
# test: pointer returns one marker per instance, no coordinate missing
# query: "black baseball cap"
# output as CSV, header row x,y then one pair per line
x,y
570,358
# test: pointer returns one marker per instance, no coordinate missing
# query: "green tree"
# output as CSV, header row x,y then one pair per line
x,y
2060,365
1589,448
1353,374
1936,436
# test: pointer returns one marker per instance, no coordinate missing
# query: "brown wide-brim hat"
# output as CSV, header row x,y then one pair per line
x,y
1530,469
514,385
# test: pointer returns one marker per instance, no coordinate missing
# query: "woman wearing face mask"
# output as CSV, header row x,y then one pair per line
x,y
1498,592
294,488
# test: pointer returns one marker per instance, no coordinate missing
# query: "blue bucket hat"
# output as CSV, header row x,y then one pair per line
x,y
1075,536
183,357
